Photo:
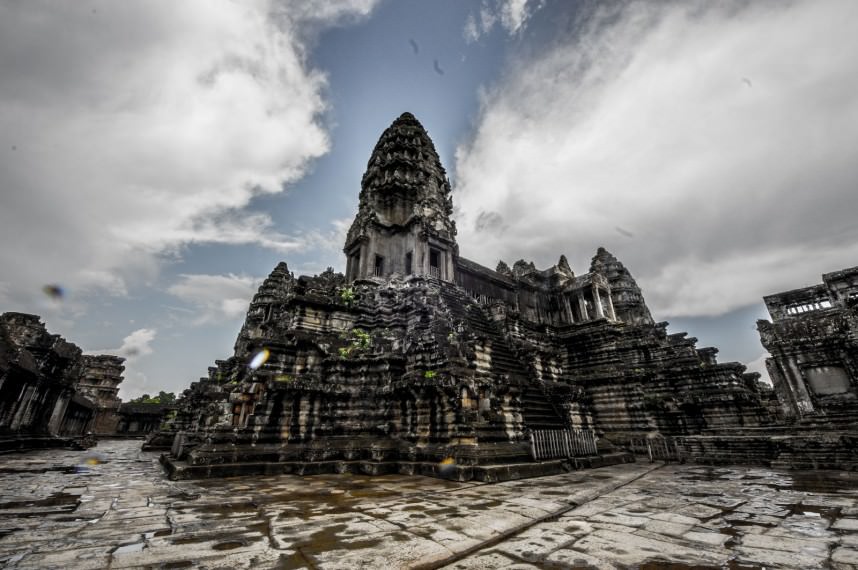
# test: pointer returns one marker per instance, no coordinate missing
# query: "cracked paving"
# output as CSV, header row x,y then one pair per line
x,y
112,507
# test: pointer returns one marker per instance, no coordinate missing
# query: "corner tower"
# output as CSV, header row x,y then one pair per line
x,y
403,222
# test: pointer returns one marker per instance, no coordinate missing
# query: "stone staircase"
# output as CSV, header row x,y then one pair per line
x,y
498,359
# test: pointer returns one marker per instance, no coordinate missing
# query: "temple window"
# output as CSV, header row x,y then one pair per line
x,y
409,257
379,266
434,265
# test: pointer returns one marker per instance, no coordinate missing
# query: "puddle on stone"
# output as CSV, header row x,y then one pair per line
x,y
821,482
68,469
664,565
128,548
8,531
64,503
828,513
228,545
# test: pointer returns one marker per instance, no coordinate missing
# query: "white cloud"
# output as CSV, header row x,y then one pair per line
x,y
216,297
710,146
514,14
127,132
759,365
135,384
511,14
135,345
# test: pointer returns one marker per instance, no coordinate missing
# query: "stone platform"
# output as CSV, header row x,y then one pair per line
x,y
112,507
181,470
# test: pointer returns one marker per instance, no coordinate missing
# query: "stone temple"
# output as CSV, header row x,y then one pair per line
x,y
418,360
813,340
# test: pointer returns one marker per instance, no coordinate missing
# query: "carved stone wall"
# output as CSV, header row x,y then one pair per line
x,y
813,340
39,374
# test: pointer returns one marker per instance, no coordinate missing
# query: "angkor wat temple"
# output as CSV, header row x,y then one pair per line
x,y
418,360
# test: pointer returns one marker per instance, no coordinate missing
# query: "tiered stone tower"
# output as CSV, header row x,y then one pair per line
x,y
403,224
418,360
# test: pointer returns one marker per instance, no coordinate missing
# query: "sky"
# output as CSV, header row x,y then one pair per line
x,y
157,161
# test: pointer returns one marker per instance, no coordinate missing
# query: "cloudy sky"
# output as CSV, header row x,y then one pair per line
x,y
158,159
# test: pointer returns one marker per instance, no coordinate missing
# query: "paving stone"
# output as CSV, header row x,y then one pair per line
x,y
699,511
777,558
628,549
675,518
845,556
711,538
573,559
489,559
846,524
534,545
809,547
667,528
620,519
129,515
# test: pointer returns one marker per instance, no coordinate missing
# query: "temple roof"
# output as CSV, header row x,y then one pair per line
x,y
404,157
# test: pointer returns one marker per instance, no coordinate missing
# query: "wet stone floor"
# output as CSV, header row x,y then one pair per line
x,y
111,507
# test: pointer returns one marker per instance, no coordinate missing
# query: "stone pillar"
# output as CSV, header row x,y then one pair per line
x,y
597,300
371,250
582,306
568,308
805,403
26,398
611,313
348,268
56,420
361,271
425,261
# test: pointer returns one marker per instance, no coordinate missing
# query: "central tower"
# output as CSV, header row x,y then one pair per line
x,y
403,223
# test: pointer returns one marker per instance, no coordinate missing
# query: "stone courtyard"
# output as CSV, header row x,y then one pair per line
x,y
112,507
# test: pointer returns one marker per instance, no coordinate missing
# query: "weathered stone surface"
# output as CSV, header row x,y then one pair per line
x,y
121,511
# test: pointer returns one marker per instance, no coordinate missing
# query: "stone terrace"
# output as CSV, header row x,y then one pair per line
x,y
60,511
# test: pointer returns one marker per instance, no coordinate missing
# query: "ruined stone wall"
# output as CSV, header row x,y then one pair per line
x,y
38,381
100,378
813,340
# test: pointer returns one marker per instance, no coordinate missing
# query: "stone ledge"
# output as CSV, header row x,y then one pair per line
x,y
181,470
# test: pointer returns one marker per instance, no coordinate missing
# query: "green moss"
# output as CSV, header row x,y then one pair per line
x,y
429,374
347,296
358,340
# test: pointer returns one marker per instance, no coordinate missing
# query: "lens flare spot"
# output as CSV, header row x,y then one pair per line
x,y
259,359
54,291
90,460
447,467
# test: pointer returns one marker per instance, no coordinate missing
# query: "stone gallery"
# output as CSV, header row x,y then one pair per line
x,y
50,393
53,395
418,360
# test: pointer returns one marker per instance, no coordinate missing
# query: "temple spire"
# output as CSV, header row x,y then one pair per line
x,y
404,223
